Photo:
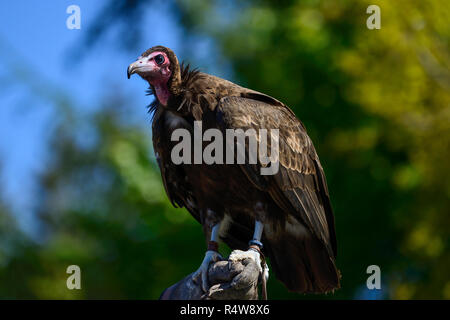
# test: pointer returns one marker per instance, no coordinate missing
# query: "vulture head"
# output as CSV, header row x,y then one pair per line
x,y
160,68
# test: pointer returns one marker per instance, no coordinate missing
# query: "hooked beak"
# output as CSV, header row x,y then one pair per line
x,y
141,67
131,69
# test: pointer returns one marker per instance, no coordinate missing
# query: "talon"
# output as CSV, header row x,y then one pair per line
x,y
210,256
205,281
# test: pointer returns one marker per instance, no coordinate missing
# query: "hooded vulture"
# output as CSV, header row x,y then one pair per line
x,y
286,215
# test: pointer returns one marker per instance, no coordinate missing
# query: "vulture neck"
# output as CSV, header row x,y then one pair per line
x,y
162,93
166,86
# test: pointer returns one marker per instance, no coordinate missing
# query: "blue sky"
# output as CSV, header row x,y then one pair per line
x,y
34,38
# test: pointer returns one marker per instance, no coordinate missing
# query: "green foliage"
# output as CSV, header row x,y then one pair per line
x,y
376,103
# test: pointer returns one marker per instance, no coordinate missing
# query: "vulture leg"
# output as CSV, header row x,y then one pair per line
x,y
254,252
212,255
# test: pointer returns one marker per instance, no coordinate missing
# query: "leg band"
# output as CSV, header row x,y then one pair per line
x,y
213,246
255,243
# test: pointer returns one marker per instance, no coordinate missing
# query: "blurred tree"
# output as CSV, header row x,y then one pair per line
x,y
376,103
105,210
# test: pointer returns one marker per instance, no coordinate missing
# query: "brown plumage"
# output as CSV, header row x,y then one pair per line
x,y
299,236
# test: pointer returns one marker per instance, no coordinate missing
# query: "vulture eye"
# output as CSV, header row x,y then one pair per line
x,y
159,59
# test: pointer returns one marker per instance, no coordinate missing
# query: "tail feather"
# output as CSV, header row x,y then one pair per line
x,y
303,265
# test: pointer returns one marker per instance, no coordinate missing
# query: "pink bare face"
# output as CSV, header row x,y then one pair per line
x,y
155,68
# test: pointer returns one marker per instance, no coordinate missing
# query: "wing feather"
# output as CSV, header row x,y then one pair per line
x,y
299,187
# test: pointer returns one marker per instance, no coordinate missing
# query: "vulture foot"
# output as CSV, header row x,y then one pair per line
x,y
202,272
239,255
